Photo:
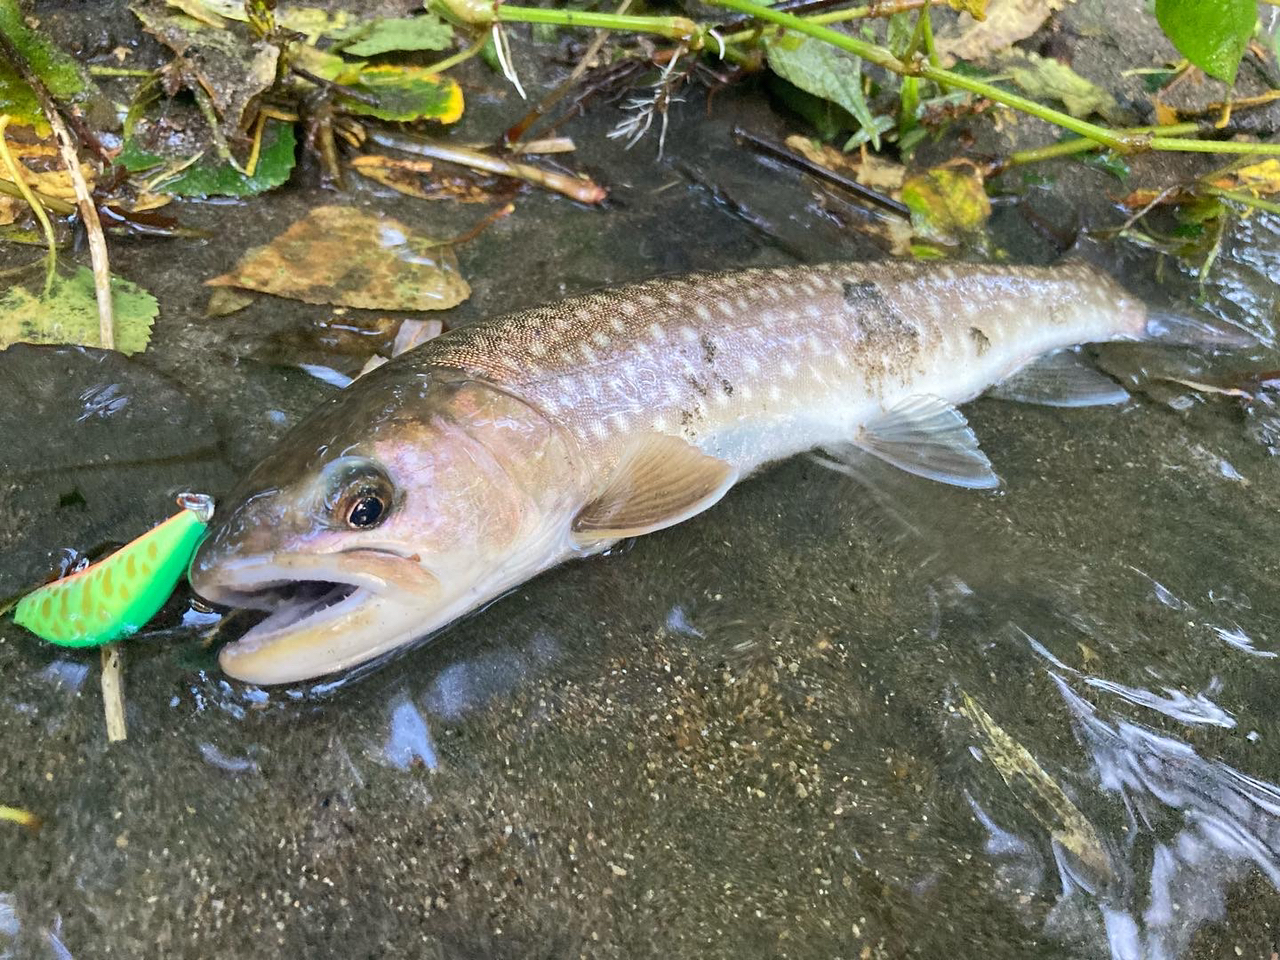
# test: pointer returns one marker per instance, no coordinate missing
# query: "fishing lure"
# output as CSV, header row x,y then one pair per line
x,y
118,595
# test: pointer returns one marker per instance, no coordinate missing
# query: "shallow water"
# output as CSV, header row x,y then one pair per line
x,y
822,720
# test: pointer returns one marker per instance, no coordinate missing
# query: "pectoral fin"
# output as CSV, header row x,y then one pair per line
x,y
929,437
659,482
1060,379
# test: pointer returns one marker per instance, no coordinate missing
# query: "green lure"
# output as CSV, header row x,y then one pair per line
x,y
117,596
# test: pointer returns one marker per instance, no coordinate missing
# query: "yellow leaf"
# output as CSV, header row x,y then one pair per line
x,y
1006,22
948,206
1165,114
974,8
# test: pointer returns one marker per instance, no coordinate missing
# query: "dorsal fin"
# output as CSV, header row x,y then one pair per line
x,y
660,481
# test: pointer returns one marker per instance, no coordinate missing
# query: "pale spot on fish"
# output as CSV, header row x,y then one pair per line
x,y
660,425
588,355
647,300
745,392
689,334
618,325
538,348
600,339
658,334
751,365
702,312
775,392
815,346
788,369
842,360
773,293
599,430
629,308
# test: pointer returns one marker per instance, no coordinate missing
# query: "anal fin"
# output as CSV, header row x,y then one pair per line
x,y
1060,379
927,436
659,482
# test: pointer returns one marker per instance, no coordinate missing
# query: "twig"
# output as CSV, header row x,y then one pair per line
x,y
113,692
579,188
51,259
779,152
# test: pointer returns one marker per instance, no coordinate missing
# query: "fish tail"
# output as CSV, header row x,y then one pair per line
x,y
1193,327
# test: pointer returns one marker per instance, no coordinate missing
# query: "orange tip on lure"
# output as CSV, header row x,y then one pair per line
x,y
116,596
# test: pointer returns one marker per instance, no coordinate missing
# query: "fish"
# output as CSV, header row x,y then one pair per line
x,y
470,464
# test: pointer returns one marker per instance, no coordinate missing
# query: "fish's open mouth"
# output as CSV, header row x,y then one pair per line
x,y
299,605
324,612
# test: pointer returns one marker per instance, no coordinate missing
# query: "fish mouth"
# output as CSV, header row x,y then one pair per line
x,y
324,614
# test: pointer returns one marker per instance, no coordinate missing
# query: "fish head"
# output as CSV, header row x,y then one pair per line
x,y
396,507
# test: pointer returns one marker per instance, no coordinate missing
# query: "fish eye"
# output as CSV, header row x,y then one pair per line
x,y
359,494
366,512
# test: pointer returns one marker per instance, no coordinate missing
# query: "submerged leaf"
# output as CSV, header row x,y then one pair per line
x,y
824,71
948,207
1007,22
427,32
352,258
1038,792
1049,79
212,177
69,314
1212,34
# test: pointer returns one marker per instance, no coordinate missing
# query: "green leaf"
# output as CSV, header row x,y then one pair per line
x,y
1212,34
210,177
402,33
69,314
824,71
64,77
405,93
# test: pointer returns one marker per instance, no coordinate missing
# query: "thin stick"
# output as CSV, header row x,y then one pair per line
x,y
51,260
579,188
113,692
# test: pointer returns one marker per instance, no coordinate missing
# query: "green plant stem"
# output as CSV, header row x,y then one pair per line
x,y
674,28
1247,199
843,16
1083,144
873,53
461,56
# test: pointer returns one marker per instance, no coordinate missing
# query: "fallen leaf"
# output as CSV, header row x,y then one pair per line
x,y
824,71
419,178
1038,792
868,169
225,301
1007,22
231,70
211,177
312,22
1049,79
948,206
369,39
1257,178
1165,114
41,165
405,94
69,314
345,256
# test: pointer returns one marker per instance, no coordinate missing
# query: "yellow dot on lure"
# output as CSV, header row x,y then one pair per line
x,y
118,595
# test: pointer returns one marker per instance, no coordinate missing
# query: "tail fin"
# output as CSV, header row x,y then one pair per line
x,y
1197,328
